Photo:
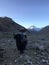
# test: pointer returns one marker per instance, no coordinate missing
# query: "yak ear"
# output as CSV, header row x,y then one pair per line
x,y
14,35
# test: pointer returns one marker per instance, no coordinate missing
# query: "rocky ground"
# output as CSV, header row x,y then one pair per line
x,y
36,57
35,53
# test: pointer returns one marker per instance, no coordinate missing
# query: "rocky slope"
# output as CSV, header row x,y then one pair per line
x,y
8,25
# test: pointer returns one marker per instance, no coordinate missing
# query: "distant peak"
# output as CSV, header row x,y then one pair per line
x,y
32,27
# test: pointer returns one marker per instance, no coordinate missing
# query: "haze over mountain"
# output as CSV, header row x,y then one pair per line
x,y
34,29
40,31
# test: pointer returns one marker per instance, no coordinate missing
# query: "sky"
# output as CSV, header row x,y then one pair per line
x,y
26,12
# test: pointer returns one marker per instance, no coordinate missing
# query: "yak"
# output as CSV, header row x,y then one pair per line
x,y
21,42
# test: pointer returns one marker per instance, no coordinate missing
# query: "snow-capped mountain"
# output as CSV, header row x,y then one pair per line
x,y
34,28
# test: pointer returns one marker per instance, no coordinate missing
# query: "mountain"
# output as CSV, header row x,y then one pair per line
x,y
34,29
8,25
44,30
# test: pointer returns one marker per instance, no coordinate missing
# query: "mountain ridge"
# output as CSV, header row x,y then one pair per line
x,y
7,25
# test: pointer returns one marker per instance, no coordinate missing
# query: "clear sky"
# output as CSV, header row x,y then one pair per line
x,y
26,12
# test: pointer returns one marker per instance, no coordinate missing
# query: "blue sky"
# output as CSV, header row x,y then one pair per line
x,y
26,12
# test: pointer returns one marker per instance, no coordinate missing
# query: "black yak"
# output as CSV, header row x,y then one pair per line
x,y
21,41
